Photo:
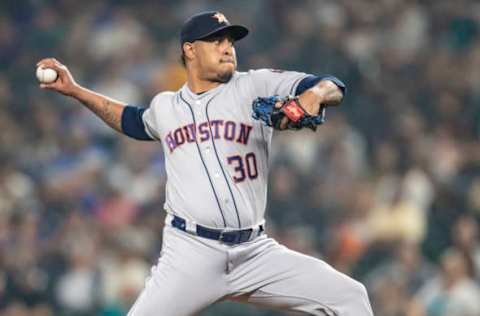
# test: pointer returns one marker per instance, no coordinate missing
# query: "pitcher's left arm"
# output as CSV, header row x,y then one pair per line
x,y
306,108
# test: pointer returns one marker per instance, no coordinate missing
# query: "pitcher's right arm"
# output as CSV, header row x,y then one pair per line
x,y
118,115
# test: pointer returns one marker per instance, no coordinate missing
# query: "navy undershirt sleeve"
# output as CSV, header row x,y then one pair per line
x,y
310,81
132,123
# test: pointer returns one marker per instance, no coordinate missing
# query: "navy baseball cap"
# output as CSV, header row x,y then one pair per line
x,y
206,24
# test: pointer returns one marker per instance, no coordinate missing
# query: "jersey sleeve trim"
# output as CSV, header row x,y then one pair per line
x,y
297,83
132,123
310,81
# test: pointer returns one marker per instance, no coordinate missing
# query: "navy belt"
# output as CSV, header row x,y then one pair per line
x,y
230,237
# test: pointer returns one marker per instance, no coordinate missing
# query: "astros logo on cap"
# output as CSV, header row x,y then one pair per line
x,y
220,17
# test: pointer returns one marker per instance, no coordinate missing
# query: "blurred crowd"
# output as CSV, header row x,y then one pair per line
x,y
388,191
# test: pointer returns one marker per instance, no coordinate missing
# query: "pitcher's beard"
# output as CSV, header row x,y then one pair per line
x,y
224,77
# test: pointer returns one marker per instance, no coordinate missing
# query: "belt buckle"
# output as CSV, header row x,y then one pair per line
x,y
236,237
228,237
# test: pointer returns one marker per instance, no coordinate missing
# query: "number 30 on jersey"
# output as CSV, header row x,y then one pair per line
x,y
244,167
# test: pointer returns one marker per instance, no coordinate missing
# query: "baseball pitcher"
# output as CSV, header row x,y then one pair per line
x,y
216,133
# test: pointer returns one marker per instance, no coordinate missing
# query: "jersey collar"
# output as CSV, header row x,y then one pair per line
x,y
193,96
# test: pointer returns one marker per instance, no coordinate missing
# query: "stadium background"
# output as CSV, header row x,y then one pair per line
x,y
388,191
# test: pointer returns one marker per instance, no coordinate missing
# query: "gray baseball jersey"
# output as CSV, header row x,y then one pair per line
x,y
217,166
216,154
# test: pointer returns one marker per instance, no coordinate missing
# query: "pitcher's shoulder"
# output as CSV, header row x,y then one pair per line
x,y
241,77
248,73
163,98
260,74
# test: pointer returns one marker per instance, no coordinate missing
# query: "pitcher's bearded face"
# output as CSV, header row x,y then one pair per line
x,y
215,58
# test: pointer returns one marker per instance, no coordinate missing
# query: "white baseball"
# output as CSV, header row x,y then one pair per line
x,y
46,75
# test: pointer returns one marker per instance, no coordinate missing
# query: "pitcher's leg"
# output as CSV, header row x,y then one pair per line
x,y
187,278
284,279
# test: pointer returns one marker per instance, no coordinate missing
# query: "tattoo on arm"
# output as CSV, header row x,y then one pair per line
x,y
108,109
108,114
